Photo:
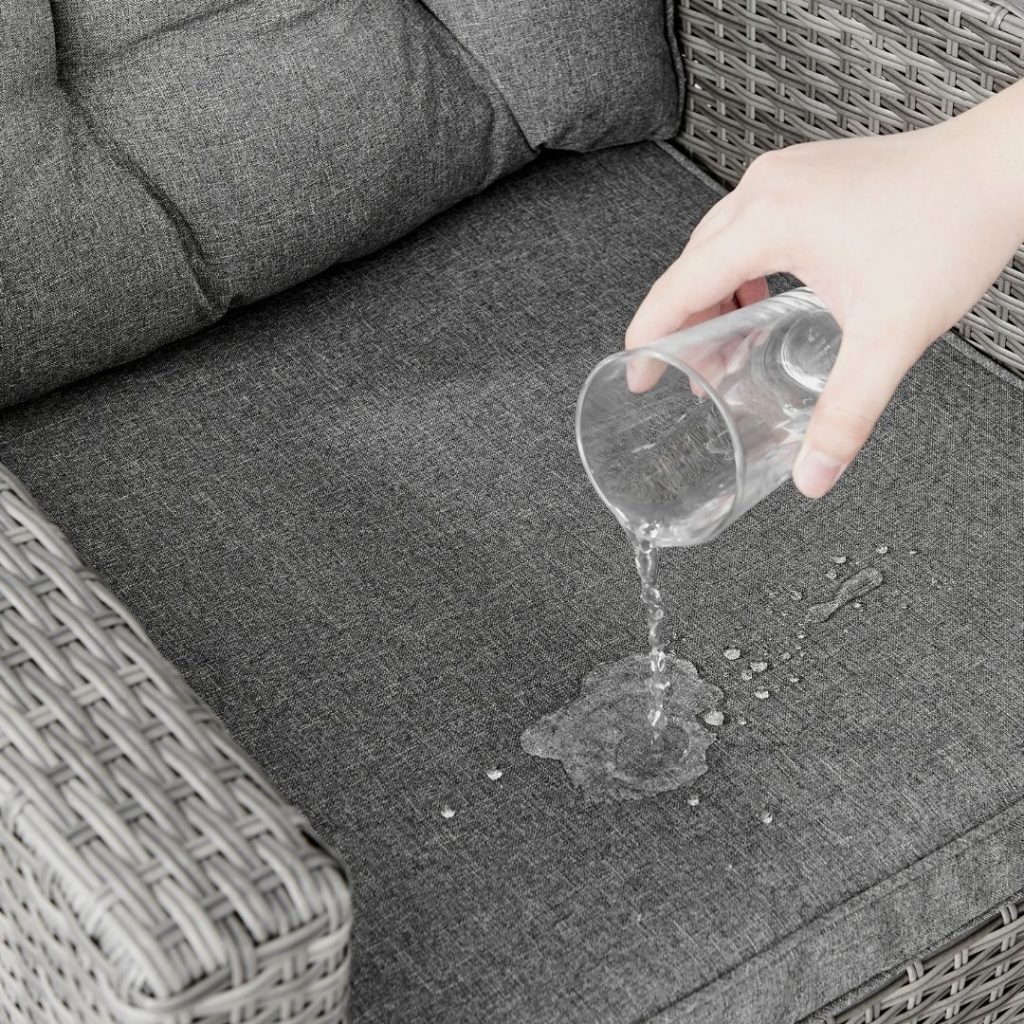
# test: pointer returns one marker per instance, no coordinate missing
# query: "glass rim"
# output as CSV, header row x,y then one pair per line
x,y
652,352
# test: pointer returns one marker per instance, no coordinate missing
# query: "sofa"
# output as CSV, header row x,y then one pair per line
x,y
294,541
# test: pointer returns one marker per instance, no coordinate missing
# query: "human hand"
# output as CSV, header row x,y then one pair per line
x,y
899,235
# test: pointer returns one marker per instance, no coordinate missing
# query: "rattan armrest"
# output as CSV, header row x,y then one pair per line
x,y
763,74
148,871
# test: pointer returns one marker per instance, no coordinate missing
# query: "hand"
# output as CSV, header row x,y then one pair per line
x,y
899,235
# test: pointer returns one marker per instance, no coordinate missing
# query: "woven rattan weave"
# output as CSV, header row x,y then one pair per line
x,y
148,872
977,981
768,73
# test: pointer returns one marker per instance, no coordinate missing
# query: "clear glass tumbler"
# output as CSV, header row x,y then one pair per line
x,y
681,459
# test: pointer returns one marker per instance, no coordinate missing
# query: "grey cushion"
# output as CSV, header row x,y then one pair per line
x,y
355,518
165,162
555,64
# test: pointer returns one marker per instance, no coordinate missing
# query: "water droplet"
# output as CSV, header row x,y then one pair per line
x,y
796,595
882,549
857,604
912,551
800,636
714,717
832,574
758,666
741,721
693,800
786,655
761,694
767,817
746,675
839,559
855,587
447,812
494,774
794,679
731,653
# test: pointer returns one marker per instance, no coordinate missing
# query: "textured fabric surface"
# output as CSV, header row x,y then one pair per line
x,y
165,162
554,69
354,517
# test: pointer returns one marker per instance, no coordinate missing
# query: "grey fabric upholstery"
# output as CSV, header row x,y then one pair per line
x,y
163,162
354,517
555,68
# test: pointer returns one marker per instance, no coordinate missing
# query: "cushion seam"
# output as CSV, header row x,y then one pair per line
x,y
101,57
951,937
956,848
472,61
215,303
675,51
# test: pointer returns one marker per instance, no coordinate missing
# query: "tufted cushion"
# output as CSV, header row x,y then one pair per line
x,y
162,162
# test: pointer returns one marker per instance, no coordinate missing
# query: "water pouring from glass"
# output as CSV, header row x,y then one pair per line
x,y
681,438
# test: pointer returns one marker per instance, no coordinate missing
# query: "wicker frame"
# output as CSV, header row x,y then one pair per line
x,y
148,871
977,981
763,74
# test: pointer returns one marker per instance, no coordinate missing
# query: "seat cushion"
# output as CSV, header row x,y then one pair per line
x,y
354,516
164,162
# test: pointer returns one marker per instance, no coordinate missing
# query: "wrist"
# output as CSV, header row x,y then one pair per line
x,y
984,149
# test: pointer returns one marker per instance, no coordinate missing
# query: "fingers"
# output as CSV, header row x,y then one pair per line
x,y
752,291
642,373
704,281
710,269
862,381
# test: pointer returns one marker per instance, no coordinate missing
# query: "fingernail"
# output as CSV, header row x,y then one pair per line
x,y
815,472
638,374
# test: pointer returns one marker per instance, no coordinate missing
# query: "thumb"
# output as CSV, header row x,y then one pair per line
x,y
865,375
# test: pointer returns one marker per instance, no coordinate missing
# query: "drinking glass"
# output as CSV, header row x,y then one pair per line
x,y
681,438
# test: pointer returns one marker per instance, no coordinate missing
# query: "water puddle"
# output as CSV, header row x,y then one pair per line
x,y
604,738
856,586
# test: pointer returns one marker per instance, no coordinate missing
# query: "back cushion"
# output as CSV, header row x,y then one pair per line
x,y
164,160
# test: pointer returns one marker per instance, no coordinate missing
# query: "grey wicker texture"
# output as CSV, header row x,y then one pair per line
x,y
148,871
763,74
977,981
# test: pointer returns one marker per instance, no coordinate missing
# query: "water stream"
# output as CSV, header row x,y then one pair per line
x,y
635,728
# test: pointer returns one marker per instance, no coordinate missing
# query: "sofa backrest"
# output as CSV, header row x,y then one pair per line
x,y
161,162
